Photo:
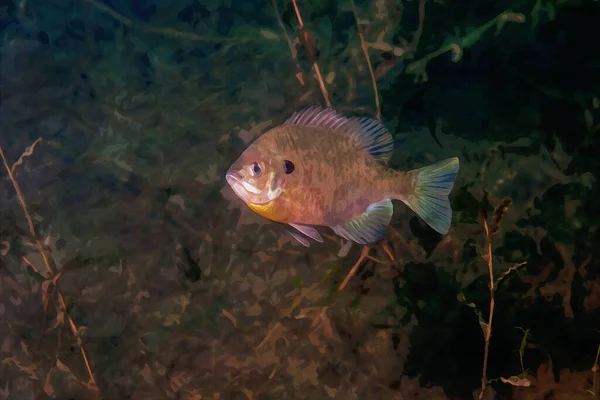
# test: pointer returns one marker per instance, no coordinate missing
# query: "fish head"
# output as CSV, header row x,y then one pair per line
x,y
259,176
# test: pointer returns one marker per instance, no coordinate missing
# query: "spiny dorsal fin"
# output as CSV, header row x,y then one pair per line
x,y
370,226
372,135
317,117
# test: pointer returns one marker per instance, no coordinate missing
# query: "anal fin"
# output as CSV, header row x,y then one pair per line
x,y
308,231
301,239
370,226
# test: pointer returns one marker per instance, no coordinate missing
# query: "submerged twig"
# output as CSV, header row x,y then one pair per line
x,y
92,382
418,68
387,250
28,152
488,333
268,335
289,40
419,31
49,268
161,31
489,233
32,265
15,184
363,255
308,43
365,50
522,347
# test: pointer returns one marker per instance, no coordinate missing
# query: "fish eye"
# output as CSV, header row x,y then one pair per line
x,y
288,167
255,169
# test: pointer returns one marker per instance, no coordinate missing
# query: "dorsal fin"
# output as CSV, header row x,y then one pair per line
x,y
372,134
375,137
317,116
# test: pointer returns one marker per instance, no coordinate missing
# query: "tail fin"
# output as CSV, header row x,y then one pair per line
x,y
429,199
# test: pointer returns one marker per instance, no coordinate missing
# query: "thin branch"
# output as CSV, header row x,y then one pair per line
x,y
378,261
488,333
28,152
315,66
418,67
161,31
365,50
298,14
282,26
49,269
419,31
268,335
38,242
75,330
32,265
508,271
363,255
289,40
388,251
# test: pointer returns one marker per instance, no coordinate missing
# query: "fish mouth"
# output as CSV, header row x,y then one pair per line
x,y
234,181
243,190
231,177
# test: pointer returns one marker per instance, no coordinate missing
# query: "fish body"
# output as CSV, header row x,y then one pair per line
x,y
321,168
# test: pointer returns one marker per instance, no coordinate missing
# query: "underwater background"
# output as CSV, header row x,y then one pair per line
x,y
129,270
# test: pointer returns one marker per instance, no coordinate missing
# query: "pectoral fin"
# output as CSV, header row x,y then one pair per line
x,y
370,226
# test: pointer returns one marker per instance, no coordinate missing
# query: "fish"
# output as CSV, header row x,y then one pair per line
x,y
321,168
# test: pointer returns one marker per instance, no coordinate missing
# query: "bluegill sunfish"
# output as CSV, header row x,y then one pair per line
x,y
320,168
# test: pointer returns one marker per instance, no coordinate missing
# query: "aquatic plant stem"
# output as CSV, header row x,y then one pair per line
x,y
363,255
49,268
15,184
488,333
268,335
419,31
289,40
365,51
418,67
75,331
160,31
28,152
387,250
308,43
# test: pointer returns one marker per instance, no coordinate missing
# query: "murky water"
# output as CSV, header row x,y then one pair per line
x,y
160,283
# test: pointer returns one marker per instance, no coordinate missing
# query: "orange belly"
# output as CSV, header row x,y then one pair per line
x,y
269,210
